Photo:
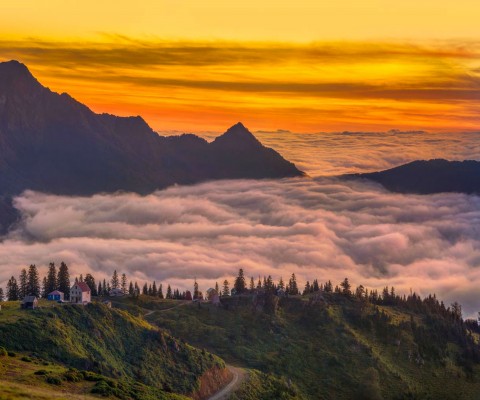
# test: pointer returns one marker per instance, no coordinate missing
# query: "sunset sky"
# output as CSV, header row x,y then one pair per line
x,y
305,66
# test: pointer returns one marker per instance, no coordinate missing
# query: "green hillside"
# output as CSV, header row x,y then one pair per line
x,y
146,361
338,347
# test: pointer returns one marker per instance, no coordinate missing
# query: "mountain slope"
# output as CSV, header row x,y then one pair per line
x,y
51,142
428,177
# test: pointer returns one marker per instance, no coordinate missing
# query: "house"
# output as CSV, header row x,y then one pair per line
x,y
116,293
30,302
80,293
55,296
210,293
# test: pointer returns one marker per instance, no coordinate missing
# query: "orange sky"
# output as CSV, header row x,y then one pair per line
x,y
302,66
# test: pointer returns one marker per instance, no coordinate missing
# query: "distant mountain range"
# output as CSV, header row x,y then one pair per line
x,y
429,177
52,143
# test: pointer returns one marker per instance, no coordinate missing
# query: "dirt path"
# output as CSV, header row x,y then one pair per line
x,y
239,376
166,309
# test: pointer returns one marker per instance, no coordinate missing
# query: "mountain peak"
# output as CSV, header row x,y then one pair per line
x,y
16,76
238,135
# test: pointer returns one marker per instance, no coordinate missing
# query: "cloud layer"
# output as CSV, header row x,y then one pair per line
x,y
320,228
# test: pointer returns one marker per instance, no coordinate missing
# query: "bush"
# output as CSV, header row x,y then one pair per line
x,y
91,376
3,352
102,388
73,375
53,380
41,372
26,359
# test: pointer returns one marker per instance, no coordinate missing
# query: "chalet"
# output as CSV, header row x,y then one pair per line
x,y
30,302
116,293
55,296
80,293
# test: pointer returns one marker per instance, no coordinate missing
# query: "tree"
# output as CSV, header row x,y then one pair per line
x,y
316,288
33,281
195,289
124,283
44,288
115,280
169,292
23,286
131,290
145,289
292,285
306,290
216,288
63,280
160,291
12,289
51,280
252,285
100,289
105,291
154,289
2,296
345,285
281,284
328,288
457,310
226,289
239,284
90,281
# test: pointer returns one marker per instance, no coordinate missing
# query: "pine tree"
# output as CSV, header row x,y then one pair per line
x,y
169,292
90,281
115,280
44,288
226,289
154,289
63,280
281,284
124,283
239,284
105,291
145,289
100,289
131,291
150,291
13,290
160,291
252,284
195,289
292,285
306,290
23,286
33,281
345,285
216,288
316,288
51,280
259,283
328,287
136,290
2,296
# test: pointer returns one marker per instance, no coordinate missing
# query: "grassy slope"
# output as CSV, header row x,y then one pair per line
x,y
328,351
107,341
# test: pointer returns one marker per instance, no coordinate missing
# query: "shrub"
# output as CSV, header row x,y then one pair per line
x,y
73,375
41,372
3,352
53,380
26,359
91,376
102,388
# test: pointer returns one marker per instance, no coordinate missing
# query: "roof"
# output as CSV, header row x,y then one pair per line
x,y
83,286
55,292
29,299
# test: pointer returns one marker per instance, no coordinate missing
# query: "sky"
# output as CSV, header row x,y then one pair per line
x,y
305,66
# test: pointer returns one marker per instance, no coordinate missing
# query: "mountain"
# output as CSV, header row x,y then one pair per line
x,y
428,177
51,142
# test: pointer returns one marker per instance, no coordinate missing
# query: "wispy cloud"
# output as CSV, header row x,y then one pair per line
x,y
176,83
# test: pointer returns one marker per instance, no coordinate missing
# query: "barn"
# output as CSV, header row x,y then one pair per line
x,y
30,302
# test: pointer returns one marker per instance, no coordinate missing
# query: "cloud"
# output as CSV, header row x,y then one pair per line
x,y
317,228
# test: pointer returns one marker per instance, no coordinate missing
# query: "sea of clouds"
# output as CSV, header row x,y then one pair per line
x,y
318,227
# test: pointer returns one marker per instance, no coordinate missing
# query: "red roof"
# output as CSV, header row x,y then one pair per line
x,y
83,286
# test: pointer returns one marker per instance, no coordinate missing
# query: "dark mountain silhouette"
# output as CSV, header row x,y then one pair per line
x,y
428,177
52,143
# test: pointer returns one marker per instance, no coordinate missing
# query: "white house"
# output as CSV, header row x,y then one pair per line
x,y
80,293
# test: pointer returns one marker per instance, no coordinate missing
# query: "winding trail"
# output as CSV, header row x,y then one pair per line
x,y
166,309
239,376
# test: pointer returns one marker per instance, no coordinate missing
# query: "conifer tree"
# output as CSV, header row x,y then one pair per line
x,y
123,283
51,280
316,288
154,289
100,289
216,288
12,290
63,280
44,288
105,288
281,284
23,285
90,281
160,291
226,289
2,296
115,280
137,290
252,285
306,290
195,289
259,283
345,285
169,292
150,291
131,290
145,289
292,285
239,283
328,287
33,285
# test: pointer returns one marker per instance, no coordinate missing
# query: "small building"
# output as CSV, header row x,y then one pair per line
x,y
55,296
29,302
80,293
116,293
210,293
107,303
